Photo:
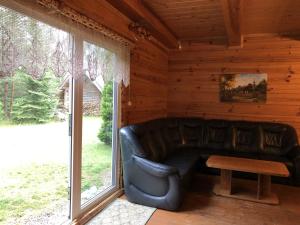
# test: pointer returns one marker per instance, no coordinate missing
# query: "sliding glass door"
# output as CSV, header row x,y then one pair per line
x,y
58,122
99,110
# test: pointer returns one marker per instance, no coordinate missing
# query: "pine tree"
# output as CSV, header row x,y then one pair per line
x,y
38,103
12,47
106,113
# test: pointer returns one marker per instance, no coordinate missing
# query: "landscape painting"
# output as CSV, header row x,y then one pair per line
x,y
246,87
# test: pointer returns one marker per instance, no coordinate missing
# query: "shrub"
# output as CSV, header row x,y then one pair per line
x,y
106,113
38,103
1,111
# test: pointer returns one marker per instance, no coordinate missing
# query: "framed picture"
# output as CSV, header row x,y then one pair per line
x,y
244,87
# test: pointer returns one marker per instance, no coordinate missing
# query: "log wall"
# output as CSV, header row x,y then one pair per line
x,y
193,82
147,92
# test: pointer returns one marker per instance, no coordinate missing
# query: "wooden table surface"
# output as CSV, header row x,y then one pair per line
x,y
248,165
264,169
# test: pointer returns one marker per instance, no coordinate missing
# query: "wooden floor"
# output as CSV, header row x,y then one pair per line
x,y
201,207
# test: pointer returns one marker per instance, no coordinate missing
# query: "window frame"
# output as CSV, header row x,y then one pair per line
x,y
78,209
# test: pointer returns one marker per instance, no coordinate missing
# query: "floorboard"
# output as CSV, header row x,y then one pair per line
x,y
202,207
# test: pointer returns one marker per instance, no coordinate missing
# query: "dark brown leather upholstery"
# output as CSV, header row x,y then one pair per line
x,y
159,156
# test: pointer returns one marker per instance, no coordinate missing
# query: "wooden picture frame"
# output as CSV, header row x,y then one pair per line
x,y
243,87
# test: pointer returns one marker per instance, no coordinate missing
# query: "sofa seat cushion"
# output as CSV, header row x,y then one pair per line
x,y
206,152
247,155
184,160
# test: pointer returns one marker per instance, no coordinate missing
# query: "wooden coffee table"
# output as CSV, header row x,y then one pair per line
x,y
264,169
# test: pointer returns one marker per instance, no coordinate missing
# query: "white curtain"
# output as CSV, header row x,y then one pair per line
x,y
32,46
27,43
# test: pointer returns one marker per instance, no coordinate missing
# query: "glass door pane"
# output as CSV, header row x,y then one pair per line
x,y
97,170
34,108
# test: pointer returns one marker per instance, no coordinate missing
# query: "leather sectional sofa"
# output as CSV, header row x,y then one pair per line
x,y
159,156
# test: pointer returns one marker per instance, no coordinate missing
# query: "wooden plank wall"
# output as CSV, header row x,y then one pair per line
x,y
148,84
194,80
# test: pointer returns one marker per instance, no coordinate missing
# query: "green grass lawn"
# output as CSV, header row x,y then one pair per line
x,y
6,123
96,158
30,188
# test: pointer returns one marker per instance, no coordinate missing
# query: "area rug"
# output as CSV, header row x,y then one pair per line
x,y
122,212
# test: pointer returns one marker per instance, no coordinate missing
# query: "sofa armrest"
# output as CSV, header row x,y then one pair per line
x,y
153,184
130,144
294,156
294,153
154,168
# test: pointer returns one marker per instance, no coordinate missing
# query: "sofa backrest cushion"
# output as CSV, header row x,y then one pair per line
x,y
139,133
277,139
246,137
192,130
218,135
157,139
150,135
171,134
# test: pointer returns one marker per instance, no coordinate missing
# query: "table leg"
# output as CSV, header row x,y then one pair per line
x,y
225,181
264,186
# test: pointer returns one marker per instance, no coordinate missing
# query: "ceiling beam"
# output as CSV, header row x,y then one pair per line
x,y
233,14
103,13
138,12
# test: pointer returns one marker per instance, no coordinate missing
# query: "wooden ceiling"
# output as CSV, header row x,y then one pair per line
x,y
173,21
191,19
271,16
194,20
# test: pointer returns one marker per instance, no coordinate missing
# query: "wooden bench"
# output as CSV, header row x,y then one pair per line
x,y
264,169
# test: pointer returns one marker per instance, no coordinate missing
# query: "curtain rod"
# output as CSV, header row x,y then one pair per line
x,y
72,14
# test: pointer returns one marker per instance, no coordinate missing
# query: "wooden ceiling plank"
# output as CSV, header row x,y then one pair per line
x,y
136,11
232,11
190,19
